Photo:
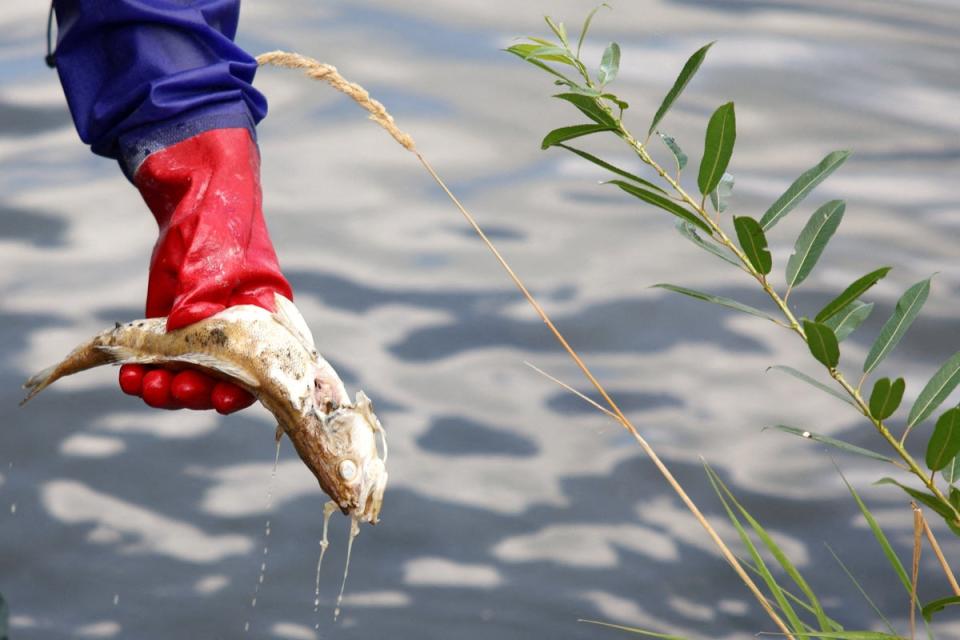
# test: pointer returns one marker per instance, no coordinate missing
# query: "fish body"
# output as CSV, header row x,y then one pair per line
x,y
273,356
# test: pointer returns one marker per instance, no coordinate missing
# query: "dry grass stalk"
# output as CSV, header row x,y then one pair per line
x,y
947,571
378,113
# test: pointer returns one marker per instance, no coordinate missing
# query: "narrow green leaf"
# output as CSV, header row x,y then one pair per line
x,y
718,147
610,64
706,297
823,343
941,385
635,630
788,567
586,25
813,240
569,133
775,589
802,186
860,588
944,444
833,442
754,243
537,63
588,106
584,91
849,318
923,497
886,397
937,606
951,472
609,167
908,306
661,201
848,635
546,53
688,71
615,100
558,30
688,232
881,538
819,385
720,195
851,293
678,153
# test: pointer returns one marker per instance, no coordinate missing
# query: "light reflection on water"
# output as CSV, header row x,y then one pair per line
x,y
512,510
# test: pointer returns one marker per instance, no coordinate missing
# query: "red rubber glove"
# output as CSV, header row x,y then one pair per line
x,y
213,252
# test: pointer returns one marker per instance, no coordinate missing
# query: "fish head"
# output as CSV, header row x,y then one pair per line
x,y
353,470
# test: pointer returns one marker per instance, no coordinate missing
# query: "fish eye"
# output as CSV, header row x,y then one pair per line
x,y
348,470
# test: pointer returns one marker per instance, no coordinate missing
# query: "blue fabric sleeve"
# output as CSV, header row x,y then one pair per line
x,y
141,75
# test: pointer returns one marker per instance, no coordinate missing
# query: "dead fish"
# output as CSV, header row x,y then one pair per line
x,y
273,356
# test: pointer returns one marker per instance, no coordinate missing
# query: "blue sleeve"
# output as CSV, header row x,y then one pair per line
x,y
141,75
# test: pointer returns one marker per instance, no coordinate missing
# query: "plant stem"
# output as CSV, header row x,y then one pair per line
x,y
952,579
781,303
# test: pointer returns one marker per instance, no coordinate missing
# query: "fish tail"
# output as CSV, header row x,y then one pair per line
x,y
84,357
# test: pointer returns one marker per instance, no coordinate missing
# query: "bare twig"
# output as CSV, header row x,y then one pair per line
x,y
947,571
915,569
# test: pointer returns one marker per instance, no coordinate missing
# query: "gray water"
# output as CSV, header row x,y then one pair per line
x,y
514,509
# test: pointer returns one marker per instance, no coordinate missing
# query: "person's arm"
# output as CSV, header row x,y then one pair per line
x,y
160,86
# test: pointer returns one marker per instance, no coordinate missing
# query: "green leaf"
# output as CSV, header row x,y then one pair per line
x,y
718,147
706,297
799,375
615,100
754,243
569,133
640,632
588,106
849,318
823,343
610,64
720,195
688,232
537,63
813,240
886,397
951,472
609,167
688,71
586,25
833,442
937,606
944,444
941,385
908,306
558,30
802,186
848,635
927,499
851,293
661,201
547,53
678,153
860,588
881,538
720,488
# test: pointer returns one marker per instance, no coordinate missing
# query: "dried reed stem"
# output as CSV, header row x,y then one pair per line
x,y
947,571
327,73
915,567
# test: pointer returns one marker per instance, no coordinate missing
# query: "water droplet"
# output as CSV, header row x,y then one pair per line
x,y
246,627
116,599
13,508
354,532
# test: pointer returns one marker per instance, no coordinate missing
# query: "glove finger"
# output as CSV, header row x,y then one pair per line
x,y
156,389
228,398
131,378
191,389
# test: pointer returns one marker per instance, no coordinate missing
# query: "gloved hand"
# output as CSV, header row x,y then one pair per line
x,y
213,252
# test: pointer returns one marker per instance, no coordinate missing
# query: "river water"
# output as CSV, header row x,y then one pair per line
x,y
514,509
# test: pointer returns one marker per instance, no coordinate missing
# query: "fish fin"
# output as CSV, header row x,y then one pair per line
x,y
216,364
124,355
289,316
86,356
37,383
